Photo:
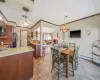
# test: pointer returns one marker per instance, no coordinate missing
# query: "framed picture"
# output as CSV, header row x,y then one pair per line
x,y
31,34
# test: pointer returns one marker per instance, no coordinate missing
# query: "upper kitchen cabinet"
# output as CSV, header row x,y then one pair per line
x,y
3,30
6,33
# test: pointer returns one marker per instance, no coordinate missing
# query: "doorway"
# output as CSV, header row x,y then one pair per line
x,y
23,38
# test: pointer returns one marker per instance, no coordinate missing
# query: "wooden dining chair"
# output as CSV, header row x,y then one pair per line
x,y
56,59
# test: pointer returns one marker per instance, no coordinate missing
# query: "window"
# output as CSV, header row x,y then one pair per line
x,y
47,36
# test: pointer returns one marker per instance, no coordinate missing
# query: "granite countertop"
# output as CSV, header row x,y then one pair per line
x,y
3,46
14,51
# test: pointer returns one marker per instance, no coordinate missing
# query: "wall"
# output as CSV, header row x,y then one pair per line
x,y
86,41
34,30
17,30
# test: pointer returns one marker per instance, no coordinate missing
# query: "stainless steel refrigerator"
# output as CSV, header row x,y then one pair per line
x,y
14,39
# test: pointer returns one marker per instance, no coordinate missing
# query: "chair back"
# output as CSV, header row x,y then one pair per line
x,y
72,57
76,53
72,45
55,55
77,50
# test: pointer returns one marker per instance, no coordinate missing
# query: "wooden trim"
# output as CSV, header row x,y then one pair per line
x,y
49,22
20,36
35,24
44,21
67,22
81,19
11,21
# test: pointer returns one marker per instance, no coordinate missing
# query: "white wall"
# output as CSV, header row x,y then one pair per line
x,y
34,30
17,30
85,42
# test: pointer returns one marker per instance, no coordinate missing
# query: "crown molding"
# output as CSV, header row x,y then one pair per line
x,y
81,18
11,21
48,21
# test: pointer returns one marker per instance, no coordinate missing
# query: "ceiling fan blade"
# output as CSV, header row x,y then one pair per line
x,y
33,1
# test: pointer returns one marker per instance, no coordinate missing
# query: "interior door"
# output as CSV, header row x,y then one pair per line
x,y
23,40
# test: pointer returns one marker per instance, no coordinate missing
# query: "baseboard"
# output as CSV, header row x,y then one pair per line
x,y
89,58
85,57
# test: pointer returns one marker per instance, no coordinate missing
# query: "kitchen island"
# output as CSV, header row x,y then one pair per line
x,y
35,44
16,63
3,46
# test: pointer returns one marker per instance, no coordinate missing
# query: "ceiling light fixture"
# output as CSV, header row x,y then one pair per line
x,y
33,1
64,28
25,23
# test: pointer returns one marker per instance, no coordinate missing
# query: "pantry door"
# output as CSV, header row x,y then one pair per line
x,y
23,38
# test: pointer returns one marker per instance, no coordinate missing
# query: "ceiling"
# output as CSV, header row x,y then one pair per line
x,y
50,10
46,30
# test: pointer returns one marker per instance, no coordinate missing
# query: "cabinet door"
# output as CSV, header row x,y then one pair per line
x,y
17,67
9,68
26,65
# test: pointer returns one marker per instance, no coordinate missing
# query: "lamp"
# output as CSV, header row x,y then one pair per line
x,y
25,23
64,28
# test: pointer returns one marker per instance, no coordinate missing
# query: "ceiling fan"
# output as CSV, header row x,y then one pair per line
x,y
25,23
33,1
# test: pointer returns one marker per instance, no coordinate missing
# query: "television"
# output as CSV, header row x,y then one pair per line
x,y
75,34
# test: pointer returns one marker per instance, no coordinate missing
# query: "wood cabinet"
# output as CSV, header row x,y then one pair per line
x,y
17,67
3,30
7,38
37,47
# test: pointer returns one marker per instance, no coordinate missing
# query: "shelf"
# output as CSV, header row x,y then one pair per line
x,y
97,54
98,46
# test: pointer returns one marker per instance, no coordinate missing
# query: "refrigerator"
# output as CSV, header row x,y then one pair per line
x,y
14,39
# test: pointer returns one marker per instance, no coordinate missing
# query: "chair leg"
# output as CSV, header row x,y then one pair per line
x,y
58,69
58,72
52,66
63,65
73,68
58,75
76,64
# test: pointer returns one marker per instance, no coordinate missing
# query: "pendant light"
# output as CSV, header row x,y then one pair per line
x,y
64,27
25,23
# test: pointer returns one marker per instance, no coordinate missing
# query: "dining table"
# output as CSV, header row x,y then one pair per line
x,y
66,52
